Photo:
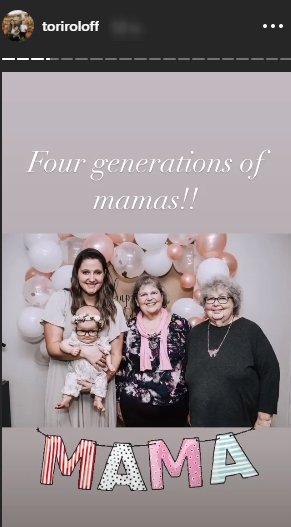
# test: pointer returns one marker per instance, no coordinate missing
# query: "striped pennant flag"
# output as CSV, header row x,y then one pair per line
x,y
220,470
55,450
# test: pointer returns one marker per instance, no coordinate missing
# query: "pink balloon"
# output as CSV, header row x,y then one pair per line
x,y
175,251
194,321
188,280
120,238
231,262
31,272
102,243
210,245
64,235
197,295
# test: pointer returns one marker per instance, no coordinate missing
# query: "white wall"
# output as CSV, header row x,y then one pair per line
x,y
22,364
264,274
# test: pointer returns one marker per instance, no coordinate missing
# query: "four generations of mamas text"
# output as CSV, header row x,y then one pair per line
x,y
168,118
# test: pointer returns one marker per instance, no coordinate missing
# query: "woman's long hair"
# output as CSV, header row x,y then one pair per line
x,y
105,295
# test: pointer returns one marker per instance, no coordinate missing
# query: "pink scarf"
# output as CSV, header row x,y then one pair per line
x,y
145,352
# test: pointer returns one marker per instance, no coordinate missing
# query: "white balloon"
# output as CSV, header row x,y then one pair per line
x,y
187,308
31,238
210,268
29,323
150,242
61,279
157,263
33,340
182,239
45,256
82,235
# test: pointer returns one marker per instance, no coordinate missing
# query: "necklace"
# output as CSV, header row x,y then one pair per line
x,y
214,352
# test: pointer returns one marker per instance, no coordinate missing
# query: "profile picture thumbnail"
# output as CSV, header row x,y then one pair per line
x,y
18,26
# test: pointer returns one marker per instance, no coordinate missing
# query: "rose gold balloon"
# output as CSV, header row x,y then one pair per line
x,y
212,254
188,280
175,251
194,321
32,272
102,243
120,238
210,245
197,295
231,262
64,235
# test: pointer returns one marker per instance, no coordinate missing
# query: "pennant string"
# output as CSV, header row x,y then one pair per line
x,y
238,433
45,435
153,442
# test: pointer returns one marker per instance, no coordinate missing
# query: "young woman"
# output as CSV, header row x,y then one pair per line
x,y
91,285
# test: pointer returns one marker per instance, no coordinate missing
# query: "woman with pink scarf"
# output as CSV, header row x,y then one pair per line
x,y
151,385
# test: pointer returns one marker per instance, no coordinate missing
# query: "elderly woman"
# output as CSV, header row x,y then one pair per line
x,y
151,383
232,371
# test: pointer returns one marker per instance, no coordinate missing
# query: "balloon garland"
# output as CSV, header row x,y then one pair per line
x,y
196,257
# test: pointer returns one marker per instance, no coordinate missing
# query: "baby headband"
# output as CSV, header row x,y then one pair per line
x,y
87,318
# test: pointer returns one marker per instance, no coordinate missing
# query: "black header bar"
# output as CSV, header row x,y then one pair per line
x,y
214,36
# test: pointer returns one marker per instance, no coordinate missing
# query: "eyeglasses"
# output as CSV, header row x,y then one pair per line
x,y
221,299
91,333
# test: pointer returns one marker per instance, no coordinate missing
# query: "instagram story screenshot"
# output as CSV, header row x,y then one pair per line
x,y
146,377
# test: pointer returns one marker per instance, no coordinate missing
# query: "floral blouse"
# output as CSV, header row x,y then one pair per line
x,y
153,386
